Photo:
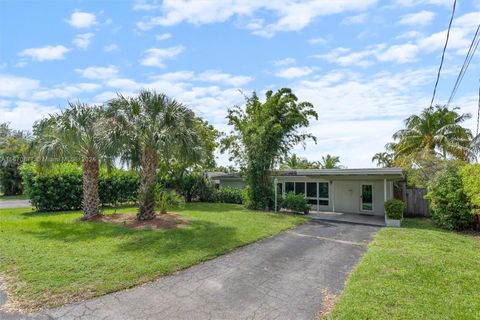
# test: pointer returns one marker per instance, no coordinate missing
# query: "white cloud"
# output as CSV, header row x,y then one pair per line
x,y
318,40
24,113
293,15
294,72
155,57
82,20
110,47
163,36
142,5
421,18
400,53
216,76
284,62
358,19
45,53
83,40
410,3
65,91
98,72
13,86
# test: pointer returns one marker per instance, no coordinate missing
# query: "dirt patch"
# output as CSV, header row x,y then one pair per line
x,y
161,221
328,303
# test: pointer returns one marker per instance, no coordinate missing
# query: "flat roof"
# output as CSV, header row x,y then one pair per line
x,y
342,172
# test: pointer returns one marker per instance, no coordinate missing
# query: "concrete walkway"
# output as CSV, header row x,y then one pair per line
x,y
5,204
283,277
352,218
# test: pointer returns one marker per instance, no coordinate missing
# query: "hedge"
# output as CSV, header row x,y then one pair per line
x,y
60,187
394,209
227,195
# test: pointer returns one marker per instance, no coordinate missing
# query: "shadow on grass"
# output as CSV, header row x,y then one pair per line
x,y
200,235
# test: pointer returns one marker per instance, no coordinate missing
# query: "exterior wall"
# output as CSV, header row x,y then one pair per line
x,y
347,196
235,183
344,193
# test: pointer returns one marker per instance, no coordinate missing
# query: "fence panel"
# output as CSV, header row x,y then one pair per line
x,y
416,205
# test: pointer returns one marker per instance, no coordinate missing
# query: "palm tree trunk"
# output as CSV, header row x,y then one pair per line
x,y
147,184
90,202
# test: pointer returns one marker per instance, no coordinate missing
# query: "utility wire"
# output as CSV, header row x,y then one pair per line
x,y
443,53
466,63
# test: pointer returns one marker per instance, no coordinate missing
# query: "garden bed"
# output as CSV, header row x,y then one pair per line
x,y
129,220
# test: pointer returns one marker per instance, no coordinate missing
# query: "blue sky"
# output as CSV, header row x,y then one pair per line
x,y
365,65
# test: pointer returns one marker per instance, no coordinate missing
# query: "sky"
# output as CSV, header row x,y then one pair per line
x,y
365,65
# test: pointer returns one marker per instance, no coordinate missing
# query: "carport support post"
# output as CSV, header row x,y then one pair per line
x,y
275,181
385,197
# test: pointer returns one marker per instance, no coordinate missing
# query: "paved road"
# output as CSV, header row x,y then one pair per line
x,y
4,204
282,277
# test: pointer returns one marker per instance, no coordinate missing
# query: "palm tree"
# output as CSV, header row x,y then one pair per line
x,y
330,162
72,135
148,126
384,159
435,131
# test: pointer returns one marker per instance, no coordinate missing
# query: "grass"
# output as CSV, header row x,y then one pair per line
x,y
19,197
415,272
52,258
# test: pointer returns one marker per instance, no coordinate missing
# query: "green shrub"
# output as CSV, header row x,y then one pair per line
x,y
227,195
448,202
470,175
61,186
191,185
394,209
166,199
295,202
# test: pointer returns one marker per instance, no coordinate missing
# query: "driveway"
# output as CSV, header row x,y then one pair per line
x,y
287,276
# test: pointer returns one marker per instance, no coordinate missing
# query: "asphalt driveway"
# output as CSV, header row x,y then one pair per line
x,y
7,204
283,277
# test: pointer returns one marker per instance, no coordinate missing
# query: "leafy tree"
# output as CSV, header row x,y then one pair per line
x,y
383,159
148,127
263,133
73,136
436,131
13,148
294,162
330,162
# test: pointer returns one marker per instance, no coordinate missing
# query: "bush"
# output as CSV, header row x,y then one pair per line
x,y
227,195
295,202
191,185
61,187
470,175
394,209
166,199
448,202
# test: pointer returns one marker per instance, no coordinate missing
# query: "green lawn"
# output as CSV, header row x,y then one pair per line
x,y
53,258
415,272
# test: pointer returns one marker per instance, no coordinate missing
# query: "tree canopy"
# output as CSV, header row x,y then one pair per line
x,y
263,133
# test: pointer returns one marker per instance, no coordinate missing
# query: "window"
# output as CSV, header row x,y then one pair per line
x,y
323,190
311,189
323,202
312,201
299,187
289,187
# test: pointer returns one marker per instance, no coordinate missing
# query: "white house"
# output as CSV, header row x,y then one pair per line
x,y
361,191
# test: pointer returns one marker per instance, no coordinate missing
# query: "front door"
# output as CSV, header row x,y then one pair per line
x,y
366,198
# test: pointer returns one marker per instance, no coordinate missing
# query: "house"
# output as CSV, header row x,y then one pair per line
x,y
358,191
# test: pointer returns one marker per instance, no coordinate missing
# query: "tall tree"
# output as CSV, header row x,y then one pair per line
x,y
13,148
383,159
263,133
330,162
72,135
147,127
437,131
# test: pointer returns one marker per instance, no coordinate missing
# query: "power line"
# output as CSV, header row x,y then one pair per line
x,y
466,63
443,53
478,110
